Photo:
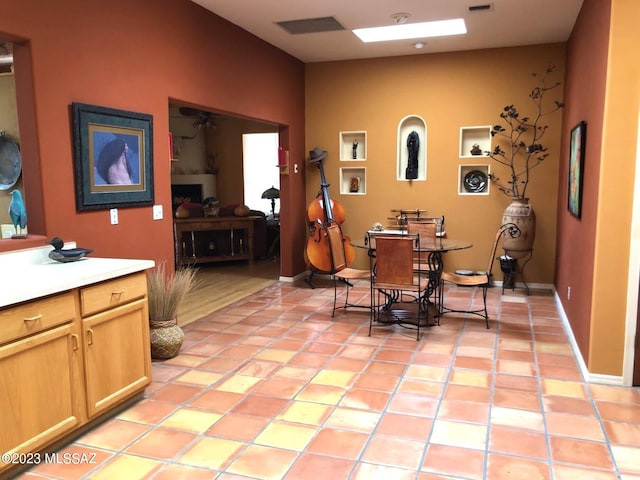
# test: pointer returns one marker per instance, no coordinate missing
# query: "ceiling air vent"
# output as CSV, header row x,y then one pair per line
x,y
311,25
480,8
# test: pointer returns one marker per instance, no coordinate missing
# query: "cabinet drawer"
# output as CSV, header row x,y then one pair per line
x,y
33,317
238,223
198,226
112,293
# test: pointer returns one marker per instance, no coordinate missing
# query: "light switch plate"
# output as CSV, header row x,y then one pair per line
x,y
113,213
157,212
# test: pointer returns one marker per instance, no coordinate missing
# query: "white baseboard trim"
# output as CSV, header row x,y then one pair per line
x,y
532,286
616,381
304,274
292,279
588,376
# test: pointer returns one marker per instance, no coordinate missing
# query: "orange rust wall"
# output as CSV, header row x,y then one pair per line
x,y
585,87
136,55
448,91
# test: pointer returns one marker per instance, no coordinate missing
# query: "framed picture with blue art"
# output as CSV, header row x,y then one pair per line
x,y
113,157
576,168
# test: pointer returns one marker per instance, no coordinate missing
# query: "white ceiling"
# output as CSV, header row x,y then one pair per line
x,y
508,23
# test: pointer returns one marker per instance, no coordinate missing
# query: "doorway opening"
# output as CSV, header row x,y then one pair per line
x,y
261,177
208,151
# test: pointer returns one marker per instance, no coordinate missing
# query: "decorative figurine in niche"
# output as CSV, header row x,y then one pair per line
x,y
355,184
413,146
355,149
475,149
18,214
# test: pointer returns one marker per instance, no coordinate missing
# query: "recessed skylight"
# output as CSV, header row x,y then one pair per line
x,y
439,28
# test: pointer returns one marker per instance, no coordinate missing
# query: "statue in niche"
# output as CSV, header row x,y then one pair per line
x,y
413,146
355,149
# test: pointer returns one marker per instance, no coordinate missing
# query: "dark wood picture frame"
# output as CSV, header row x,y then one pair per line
x,y
576,168
113,157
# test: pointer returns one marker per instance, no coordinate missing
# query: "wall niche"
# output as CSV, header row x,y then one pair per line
x,y
412,149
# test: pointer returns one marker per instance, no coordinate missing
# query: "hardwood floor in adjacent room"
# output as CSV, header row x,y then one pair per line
x,y
221,284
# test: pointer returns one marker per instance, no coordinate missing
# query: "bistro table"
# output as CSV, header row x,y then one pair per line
x,y
435,247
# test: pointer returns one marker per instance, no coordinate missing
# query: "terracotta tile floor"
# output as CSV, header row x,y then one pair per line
x,y
272,387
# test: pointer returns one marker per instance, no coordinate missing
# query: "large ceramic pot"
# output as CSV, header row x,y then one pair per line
x,y
166,339
520,213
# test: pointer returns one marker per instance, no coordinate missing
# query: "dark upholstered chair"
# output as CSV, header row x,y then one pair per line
x,y
259,229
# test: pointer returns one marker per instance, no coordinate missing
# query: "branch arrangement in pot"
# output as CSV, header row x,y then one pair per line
x,y
520,137
519,147
165,293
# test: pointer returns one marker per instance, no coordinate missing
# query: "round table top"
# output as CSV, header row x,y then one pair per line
x,y
438,244
443,244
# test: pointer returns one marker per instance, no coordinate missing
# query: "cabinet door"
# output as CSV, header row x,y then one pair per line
x,y
117,355
39,389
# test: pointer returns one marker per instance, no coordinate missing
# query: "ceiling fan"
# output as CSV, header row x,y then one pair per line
x,y
203,119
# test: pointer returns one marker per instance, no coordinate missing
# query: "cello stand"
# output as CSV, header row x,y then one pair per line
x,y
309,279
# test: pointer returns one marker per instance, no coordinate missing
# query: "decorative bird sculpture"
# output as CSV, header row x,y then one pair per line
x,y
57,243
65,255
18,213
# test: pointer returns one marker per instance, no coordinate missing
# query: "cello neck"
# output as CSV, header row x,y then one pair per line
x,y
326,200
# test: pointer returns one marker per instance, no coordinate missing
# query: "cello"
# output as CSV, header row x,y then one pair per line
x,y
320,213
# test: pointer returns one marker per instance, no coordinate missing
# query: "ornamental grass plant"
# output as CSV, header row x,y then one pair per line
x,y
166,291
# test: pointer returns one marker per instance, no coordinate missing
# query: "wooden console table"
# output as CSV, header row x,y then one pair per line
x,y
213,239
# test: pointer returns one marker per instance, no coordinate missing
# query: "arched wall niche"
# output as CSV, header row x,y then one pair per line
x,y
31,182
410,128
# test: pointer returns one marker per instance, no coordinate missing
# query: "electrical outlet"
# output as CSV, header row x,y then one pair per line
x,y
157,212
113,213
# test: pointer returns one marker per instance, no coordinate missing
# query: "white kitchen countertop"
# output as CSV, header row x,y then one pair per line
x,y
30,274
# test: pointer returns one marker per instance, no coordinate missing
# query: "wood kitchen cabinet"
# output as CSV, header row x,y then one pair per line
x,y
68,358
115,330
115,370
40,390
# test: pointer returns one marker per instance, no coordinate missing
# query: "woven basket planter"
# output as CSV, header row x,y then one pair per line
x,y
166,339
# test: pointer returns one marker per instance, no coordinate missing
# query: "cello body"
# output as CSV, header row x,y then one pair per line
x,y
323,212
